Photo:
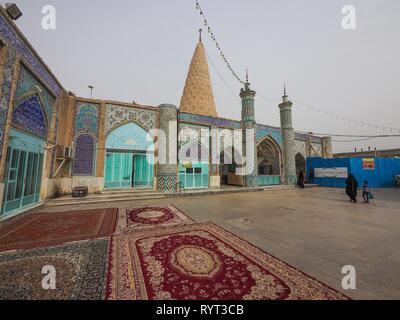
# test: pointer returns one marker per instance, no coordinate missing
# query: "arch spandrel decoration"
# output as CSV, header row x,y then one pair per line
x,y
28,85
30,116
117,116
86,119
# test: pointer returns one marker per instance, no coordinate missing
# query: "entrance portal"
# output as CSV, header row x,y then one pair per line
x,y
129,159
269,162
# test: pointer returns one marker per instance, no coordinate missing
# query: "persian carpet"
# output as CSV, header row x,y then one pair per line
x,y
50,229
203,262
151,217
81,272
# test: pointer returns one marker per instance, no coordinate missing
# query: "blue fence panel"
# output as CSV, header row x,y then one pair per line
x,y
380,177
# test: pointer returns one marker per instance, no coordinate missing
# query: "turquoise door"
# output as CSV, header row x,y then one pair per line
x,y
118,170
195,177
24,164
125,170
144,171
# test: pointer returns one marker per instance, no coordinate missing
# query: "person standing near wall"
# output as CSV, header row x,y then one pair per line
x,y
311,176
300,182
351,188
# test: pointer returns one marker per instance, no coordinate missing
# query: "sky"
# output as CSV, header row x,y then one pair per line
x,y
140,51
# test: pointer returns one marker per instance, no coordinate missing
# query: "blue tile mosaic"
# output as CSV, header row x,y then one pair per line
x,y
15,41
30,116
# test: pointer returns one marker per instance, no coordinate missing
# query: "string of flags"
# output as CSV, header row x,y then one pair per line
x,y
332,115
274,101
346,119
214,39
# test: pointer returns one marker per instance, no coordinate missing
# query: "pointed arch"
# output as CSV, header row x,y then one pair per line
x,y
269,157
29,115
129,136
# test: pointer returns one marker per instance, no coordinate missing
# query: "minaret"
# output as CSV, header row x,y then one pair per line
x,y
198,97
289,158
249,128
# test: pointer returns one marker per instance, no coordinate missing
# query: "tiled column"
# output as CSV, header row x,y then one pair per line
x,y
289,157
167,173
249,143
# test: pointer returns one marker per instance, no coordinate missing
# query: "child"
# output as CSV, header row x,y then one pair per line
x,y
366,191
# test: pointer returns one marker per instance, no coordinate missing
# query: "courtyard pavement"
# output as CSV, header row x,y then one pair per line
x,y
316,230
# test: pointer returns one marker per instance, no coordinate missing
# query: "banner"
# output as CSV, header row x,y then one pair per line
x,y
368,164
331,172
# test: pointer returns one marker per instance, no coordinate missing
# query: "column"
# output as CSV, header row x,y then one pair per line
x,y
167,172
289,157
249,126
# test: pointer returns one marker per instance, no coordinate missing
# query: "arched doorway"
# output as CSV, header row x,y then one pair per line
x,y
300,164
129,161
269,159
193,166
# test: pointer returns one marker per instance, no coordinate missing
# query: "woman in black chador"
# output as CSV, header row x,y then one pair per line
x,y
300,182
351,188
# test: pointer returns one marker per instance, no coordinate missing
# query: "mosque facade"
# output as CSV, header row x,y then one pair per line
x,y
52,141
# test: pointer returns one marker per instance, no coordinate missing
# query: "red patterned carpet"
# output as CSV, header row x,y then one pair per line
x,y
148,217
49,229
202,262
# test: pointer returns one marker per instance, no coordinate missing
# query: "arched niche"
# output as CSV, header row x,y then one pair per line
x,y
84,155
269,157
30,116
300,164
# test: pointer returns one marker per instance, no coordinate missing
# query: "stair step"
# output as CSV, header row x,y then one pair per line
x,y
108,196
90,201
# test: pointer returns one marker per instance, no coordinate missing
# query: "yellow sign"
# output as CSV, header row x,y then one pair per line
x,y
369,164
187,164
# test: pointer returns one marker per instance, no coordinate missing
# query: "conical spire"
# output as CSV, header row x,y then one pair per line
x,y
198,97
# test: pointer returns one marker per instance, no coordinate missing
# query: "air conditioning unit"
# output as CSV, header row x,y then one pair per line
x,y
67,152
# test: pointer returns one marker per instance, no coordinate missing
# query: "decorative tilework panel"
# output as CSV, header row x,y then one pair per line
x,y
86,118
304,137
209,121
23,49
28,84
300,147
117,115
84,155
6,94
316,150
29,115
263,131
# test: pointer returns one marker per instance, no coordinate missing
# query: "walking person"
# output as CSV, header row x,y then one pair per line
x,y
311,176
351,188
366,191
300,182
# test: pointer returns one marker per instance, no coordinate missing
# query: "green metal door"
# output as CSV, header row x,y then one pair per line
x,y
23,179
195,177
118,170
127,170
144,170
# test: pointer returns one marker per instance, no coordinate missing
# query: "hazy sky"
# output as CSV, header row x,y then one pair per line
x,y
141,50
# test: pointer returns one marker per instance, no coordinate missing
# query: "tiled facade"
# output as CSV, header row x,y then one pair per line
x,y
33,101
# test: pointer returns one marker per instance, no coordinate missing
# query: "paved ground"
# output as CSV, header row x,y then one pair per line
x,y
316,230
